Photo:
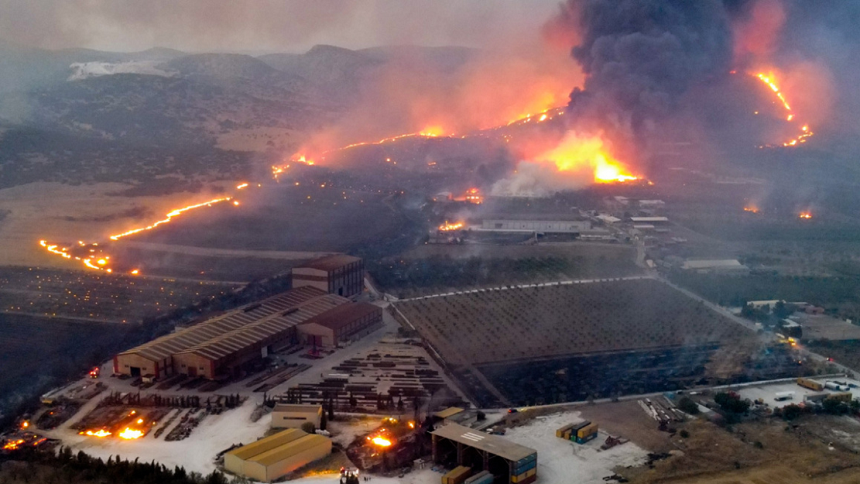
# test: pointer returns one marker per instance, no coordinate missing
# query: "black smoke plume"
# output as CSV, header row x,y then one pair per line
x,y
639,58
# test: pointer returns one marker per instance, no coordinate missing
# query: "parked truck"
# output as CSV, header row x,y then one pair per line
x,y
811,384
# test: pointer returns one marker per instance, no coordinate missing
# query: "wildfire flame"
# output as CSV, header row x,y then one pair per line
x,y
446,227
13,444
805,215
576,153
100,263
381,442
98,433
751,209
770,81
169,217
130,434
428,132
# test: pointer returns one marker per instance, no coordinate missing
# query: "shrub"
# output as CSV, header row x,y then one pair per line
x,y
791,412
308,427
684,434
732,402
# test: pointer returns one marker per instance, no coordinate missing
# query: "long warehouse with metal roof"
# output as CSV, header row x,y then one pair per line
x,y
222,346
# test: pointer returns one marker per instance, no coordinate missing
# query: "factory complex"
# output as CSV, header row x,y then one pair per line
x,y
223,346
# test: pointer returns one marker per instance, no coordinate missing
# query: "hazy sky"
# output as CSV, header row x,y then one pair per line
x,y
270,25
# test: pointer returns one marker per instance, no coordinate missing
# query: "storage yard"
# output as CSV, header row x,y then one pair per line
x,y
387,377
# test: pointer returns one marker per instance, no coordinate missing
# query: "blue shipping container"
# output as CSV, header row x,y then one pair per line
x,y
586,438
522,469
525,460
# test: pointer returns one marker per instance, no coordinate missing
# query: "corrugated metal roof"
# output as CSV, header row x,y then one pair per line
x,y
343,315
493,444
242,337
268,443
330,262
287,450
165,346
649,219
296,407
448,412
706,264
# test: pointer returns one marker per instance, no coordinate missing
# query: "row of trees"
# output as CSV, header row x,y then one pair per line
x,y
30,465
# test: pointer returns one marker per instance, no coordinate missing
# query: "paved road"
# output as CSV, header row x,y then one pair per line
x,y
524,286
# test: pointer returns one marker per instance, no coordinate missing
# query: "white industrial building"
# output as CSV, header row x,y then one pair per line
x,y
649,220
544,226
292,416
720,265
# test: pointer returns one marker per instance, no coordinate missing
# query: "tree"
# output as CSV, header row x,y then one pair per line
x,y
732,402
782,310
686,404
834,407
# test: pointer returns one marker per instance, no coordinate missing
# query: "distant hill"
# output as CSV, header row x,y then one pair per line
x,y
26,68
441,59
341,73
221,66
102,104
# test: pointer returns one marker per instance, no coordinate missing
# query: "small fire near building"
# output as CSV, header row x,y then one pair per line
x,y
336,274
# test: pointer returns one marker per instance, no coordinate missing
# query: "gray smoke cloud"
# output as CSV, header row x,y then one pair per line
x,y
640,57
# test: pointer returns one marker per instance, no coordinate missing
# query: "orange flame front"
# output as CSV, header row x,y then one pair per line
x,y
770,81
578,153
130,434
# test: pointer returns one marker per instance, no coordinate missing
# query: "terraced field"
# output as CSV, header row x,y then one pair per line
x,y
523,323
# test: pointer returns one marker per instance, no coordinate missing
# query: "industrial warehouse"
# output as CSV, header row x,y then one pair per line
x,y
473,450
523,224
221,347
275,456
336,274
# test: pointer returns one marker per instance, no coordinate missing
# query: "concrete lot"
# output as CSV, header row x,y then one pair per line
x,y
768,392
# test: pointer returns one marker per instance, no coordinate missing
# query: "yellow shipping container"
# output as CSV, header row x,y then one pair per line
x,y
587,430
842,397
811,384
560,432
456,476
523,476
